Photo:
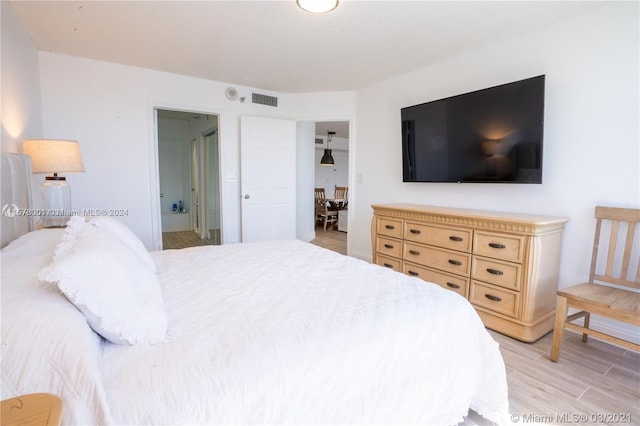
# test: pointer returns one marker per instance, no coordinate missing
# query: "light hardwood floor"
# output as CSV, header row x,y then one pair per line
x,y
182,239
332,239
589,380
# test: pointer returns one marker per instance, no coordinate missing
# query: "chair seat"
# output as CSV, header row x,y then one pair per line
x,y
624,302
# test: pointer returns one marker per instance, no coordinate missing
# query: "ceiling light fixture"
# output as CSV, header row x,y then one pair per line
x,y
317,6
327,158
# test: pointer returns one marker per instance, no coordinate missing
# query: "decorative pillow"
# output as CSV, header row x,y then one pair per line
x,y
118,293
127,236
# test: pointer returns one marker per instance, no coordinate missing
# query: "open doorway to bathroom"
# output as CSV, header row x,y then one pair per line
x,y
189,178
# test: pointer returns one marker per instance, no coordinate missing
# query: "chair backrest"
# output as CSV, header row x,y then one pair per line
x,y
341,192
319,196
616,247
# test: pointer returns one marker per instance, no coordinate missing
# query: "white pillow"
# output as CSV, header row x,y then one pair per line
x,y
127,236
116,291
42,241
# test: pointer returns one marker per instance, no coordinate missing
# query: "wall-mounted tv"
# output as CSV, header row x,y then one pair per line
x,y
490,135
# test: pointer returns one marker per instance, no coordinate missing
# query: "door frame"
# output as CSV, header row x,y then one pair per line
x,y
154,167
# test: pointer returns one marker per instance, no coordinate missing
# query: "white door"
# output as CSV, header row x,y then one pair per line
x,y
268,178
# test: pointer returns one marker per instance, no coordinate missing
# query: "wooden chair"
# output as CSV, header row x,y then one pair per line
x,y
36,409
615,260
323,214
342,192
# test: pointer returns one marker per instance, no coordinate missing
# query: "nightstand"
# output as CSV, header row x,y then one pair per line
x,y
33,409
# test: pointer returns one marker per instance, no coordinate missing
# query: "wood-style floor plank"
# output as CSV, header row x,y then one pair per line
x,y
182,239
589,379
332,239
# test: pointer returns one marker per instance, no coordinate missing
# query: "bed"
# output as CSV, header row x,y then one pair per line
x,y
278,332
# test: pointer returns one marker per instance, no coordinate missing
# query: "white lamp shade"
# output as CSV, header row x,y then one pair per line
x,y
492,147
54,155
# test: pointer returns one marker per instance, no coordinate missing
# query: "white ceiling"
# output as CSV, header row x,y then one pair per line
x,y
275,46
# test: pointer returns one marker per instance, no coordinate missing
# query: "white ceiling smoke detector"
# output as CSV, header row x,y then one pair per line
x,y
231,93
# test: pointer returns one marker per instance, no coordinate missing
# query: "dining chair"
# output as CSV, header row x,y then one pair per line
x,y
323,213
614,281
341,193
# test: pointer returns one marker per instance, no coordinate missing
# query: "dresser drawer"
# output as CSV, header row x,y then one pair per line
x,y
445,260
389,262
449,281
389,227
450,238
494,298
499,246
389,246
504,274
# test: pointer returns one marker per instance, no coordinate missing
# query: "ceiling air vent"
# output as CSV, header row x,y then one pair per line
x,y
257,98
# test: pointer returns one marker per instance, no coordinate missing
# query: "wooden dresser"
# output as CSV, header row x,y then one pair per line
x,y
506,264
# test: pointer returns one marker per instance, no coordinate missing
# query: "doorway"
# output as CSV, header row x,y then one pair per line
x,y
189,178
331,176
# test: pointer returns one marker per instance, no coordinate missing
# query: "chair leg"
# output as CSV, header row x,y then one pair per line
x,y
326,219
585,336
558,327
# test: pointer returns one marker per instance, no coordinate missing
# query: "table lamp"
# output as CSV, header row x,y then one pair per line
x,y
54,156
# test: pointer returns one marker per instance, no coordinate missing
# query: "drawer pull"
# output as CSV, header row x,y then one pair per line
x,y
453,285
387,265
415,231
413,273
492,297
455,262
453,238
497,245
389,246
414,252
390,227
494,271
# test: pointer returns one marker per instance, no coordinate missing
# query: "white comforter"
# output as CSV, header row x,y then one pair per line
x,y
278,332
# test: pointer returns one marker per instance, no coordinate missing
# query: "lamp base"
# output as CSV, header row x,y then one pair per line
x,y
56,202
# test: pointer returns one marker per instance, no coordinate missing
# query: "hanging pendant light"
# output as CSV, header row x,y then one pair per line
x,y
327,158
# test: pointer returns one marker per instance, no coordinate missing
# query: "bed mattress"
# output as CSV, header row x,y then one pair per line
x,y
279,332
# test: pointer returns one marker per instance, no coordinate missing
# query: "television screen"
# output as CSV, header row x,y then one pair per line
x,y
490,135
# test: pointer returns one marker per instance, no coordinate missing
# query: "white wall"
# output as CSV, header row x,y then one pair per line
x,y
174,155
109,109
591,138
21,111
313,107
328,177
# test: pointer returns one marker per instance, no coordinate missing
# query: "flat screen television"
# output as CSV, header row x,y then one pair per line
x,y
490,135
